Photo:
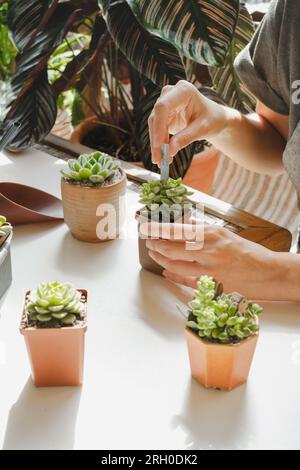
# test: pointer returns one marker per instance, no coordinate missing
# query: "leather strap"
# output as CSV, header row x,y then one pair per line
x,y
26,205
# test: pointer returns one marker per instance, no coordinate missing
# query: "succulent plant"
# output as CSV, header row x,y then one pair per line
x,y
94,169
222,318
54,304
165,199
5,227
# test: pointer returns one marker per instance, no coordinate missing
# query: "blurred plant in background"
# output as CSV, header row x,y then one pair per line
x,y
7,56
106,62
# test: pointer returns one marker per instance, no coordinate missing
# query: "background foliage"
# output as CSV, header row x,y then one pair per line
x,y
108,60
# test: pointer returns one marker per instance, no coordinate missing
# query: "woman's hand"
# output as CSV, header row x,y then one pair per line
x,y
186,114
239,264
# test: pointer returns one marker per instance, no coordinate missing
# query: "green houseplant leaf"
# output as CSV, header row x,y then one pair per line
x,y
201,30
225,79
24,18
152,56
35,105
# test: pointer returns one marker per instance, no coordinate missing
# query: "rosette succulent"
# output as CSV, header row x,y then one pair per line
x,y
222,318
54,304
5,227
95,169
165,199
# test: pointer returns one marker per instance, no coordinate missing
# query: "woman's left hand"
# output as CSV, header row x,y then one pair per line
x,y
239,264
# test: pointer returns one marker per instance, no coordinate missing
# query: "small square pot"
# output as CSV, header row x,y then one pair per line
x,y
220,366
5,265
56,354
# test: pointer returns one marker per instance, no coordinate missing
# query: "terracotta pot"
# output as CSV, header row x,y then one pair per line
x,y
56,354
5,265
201,173
81,205
84,128
219,366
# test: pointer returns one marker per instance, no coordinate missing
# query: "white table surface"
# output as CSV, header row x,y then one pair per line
x,y
137,391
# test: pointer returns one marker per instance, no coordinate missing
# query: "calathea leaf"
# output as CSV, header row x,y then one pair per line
x,y
226,81
25,16
33,59
34,105
153,57
184,158
201,30
36,111
79,68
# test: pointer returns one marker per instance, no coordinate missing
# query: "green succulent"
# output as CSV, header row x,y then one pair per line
x,y
55,304
95,168
165,199
222,318
5,227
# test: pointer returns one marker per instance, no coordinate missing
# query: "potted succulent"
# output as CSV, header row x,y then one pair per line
x,y
164,201
54,323
222,332
93,192
5,258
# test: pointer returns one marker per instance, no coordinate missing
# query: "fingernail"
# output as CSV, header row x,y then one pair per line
x,y
148,244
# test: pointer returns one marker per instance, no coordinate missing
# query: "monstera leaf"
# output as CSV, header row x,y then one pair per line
x,y
201,30
153,57
34,105
225,79
184,158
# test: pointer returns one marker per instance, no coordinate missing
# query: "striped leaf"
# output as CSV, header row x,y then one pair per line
x,y
184,158
153,57
225,79
24,17
34,105
201,30
36,111
33,59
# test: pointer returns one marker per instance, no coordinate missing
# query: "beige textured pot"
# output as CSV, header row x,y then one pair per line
x,y
56,354
94,214
219,366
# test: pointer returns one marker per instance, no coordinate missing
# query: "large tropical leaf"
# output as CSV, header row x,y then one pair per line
x,y
33,59
81,66
201,30
34,105
153,57
36,111
25,16
184,158
225,79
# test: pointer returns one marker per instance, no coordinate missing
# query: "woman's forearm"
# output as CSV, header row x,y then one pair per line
x,y
251,141
256,141
286,283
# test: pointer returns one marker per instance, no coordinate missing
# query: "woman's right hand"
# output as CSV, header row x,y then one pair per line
x,y
185,113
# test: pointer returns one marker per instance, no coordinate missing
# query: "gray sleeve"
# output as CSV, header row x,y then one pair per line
x,y
259,65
